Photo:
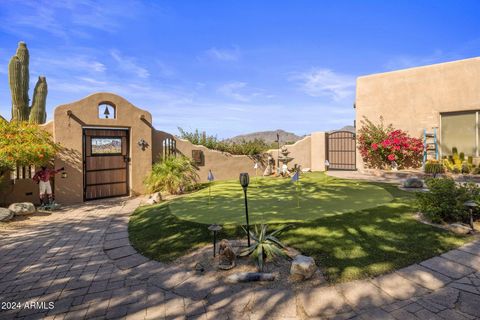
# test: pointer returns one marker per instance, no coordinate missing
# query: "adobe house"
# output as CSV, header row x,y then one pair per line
x,y
109,146
441,99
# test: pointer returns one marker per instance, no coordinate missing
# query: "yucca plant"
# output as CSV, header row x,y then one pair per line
x,y
266,246
173,175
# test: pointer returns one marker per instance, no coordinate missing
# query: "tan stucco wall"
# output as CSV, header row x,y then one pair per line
x,y
157,143
412,99
223,165
300,151
68,132
318,151
308,152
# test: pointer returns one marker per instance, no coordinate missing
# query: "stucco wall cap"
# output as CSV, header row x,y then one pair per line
x,y
102,97
425,68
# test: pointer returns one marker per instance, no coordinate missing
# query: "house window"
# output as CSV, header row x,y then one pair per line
x,y
461,131
169,148
107,111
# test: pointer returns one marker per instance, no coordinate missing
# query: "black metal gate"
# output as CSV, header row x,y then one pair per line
x,y
341,150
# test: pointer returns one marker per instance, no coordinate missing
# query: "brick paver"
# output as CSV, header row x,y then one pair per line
x,y
80,259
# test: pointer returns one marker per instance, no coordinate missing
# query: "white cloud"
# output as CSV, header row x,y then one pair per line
x,y
129,64
325,82
67,18
83,63
223,54
232,90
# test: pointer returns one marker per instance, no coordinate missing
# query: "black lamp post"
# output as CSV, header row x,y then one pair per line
x,y
244,180
470,204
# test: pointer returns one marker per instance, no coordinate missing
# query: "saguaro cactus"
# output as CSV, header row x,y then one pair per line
x,y
37,111
19,108
19,77
24,57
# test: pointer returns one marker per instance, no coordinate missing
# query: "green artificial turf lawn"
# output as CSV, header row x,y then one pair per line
x,y
346,244
273,200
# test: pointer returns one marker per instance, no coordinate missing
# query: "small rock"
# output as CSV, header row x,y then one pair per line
x,y
5,214
303,266
154,198
459,228
22,208
413,182
157,197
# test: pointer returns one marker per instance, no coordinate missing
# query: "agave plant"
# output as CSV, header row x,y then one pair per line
x,y
266,246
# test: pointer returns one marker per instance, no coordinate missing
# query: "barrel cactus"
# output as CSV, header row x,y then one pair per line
x,y
19,77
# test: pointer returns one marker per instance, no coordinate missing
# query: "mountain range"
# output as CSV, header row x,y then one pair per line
x,y
271,136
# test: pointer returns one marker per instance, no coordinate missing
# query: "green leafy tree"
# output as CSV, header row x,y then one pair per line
x,y
243,147
174,175
24,144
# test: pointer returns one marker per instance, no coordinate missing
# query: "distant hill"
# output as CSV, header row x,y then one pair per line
x,y
346,128
268,136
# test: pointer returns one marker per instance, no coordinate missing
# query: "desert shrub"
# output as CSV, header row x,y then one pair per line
x,y
444,202
243,147
174,175
434,167
380,145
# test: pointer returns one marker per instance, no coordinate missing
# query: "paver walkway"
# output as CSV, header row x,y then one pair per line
x,y
81,260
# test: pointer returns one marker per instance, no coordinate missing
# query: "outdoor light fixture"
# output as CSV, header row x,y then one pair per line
x,y
142,144
64,174
214,228
244,181
471,205
106,113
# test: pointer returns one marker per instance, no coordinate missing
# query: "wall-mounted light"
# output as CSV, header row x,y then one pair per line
x,y
64,175
142,144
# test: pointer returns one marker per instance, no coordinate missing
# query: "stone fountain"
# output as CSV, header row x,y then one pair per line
x,y
284,158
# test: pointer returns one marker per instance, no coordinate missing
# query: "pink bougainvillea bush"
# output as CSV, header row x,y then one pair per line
x,y
380,146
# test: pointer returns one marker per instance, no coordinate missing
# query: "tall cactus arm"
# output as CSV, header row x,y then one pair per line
x,y
37,111
19,112
24,57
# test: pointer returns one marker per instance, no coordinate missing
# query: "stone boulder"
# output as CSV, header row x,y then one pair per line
x,y
154,198
413,182
22,208
5,214
303,267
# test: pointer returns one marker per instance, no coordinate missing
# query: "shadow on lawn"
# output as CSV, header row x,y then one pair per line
x,y
347,246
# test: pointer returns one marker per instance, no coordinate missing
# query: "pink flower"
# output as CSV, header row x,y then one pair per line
x,y
374,146
391,157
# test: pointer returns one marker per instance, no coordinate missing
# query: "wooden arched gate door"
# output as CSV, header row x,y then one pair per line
x,y
105,163
341,150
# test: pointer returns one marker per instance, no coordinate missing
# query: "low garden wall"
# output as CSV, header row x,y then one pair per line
x,y
223,165
308,152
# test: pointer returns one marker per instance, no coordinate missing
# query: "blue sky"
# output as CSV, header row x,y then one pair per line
x,y
231,67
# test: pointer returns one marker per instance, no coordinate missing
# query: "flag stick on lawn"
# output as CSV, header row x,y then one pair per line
x,y
256,168
210,180
296,180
